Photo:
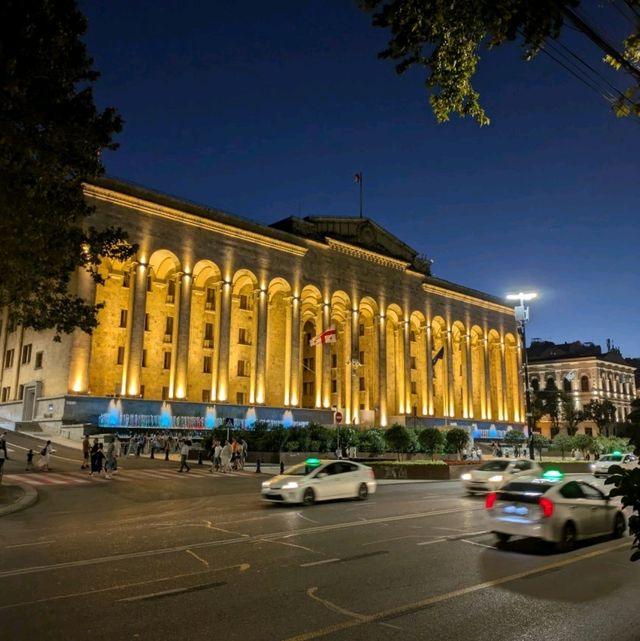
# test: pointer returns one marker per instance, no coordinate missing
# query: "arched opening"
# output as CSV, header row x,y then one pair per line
x,y
438,359
278,341
478,409
513,378
344,375
310,376
395,361
495,373
584,383
418,365
368,387
459,368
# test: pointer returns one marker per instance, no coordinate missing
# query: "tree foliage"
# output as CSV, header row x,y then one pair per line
x,y
602,413
446,38
571,416
431,440
563,442
457,439
583,442
398,439
51,135
539,443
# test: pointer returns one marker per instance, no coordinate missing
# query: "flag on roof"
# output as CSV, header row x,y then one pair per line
x,y
328,336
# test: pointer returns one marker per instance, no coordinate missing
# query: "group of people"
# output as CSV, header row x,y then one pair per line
x,y
472,454
98,461
230,456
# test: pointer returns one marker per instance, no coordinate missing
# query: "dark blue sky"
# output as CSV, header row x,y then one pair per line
x,y
268,109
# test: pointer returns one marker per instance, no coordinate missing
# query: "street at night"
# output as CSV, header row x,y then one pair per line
x,y
157,555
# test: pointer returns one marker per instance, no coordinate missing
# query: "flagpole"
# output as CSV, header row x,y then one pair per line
x,y
361,186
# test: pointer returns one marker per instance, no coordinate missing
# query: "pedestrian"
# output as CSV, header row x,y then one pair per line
x,y
225,457
95,448
2,458
184,455
167,447
97,461
117,449
110,462
3,445
217,456
86,449
29,461
244,451
45,456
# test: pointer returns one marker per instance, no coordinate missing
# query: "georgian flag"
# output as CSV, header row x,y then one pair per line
x,y
328,336
358,178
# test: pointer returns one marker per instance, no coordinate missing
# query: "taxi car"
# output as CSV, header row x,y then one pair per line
x,y
495,473
602,467
554,509
317,480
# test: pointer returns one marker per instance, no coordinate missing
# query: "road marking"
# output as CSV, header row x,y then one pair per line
x,y
397,538
416,606
432,541
24,545
306,518
195,556
323,562
207,544
311,592
174,592
292,545
455,537
480,545
242,567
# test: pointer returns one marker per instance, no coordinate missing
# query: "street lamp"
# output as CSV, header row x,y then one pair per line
x,y
522,316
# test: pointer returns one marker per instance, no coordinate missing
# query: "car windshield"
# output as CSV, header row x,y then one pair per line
x,y
611,457
302,469
529,488
494,466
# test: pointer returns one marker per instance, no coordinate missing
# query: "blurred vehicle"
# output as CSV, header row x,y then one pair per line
x,y
495,473
316,480
553,509
602,467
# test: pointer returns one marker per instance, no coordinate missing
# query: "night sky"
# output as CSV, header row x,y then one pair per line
x,y
268,109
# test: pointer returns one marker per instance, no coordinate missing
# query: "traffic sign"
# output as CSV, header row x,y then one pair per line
x,y
338,417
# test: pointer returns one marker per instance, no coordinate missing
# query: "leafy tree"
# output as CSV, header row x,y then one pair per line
x,y
583,442
563,442
414,444
51,135
602,413
446,37
551,402
431,440
627,485
539,443
571,416
515,438
398,439
634,415
609,444
373,441
457,439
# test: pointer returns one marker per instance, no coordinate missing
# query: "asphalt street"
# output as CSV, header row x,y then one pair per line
x,y
173,557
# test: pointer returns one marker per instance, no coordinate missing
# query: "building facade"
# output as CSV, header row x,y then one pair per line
x,y
584,372
219,310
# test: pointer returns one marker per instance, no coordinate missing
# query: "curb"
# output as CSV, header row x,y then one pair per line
x,y
28,499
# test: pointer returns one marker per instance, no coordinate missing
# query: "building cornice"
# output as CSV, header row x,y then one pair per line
x,y
366,254
583,362
169,213
466,298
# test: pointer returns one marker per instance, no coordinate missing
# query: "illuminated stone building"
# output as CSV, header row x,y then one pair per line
x,y
216,309
584,372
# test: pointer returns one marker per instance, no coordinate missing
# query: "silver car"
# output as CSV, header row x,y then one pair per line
x,y
602,467
495,473
316,480
553,509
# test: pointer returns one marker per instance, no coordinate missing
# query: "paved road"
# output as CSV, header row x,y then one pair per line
x,y
170,558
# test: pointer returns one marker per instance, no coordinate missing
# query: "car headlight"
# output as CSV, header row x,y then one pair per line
x,y
495,479
266,484
593,467
466,477
291,485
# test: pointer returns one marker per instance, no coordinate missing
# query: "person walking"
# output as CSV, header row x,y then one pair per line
x,y
29,467
217,454
184,455
92,456
2,458
110,462
3,445
225,457
243,454
86,449
117,449
45,457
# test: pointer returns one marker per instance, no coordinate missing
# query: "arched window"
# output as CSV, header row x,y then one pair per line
x,y
584,384
551,382
566,385
535,384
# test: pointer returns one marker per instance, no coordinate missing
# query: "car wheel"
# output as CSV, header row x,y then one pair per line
x,y
568,538
309,497
619,526
502,537
363,492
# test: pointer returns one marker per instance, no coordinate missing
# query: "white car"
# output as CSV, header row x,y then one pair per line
x,y
553,509
604,464
495,473
316,480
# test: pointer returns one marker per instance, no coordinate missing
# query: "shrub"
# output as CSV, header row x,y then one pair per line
x,y
583,442
431,440
398,439
373,441
563,442
456,439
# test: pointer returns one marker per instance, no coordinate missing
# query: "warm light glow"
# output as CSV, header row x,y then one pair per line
x,y
180,393
522,296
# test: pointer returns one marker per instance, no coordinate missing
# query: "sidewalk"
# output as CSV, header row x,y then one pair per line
x,y
15,497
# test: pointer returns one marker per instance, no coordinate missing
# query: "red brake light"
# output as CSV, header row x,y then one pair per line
x,y
371,473
490,500
546,505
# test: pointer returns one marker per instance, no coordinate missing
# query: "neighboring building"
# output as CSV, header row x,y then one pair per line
x,y
220,310
582,370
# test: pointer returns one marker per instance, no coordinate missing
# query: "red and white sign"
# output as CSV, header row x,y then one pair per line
x,y
338,417
328,336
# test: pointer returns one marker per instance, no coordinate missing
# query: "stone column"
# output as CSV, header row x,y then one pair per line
x,y
489,411
469,395
183,295
17,364
215,360
504,414
406,344
357,370
325,351
294,393
136,332
429,348
450,404
261,356
80,358
222,392
348,371
382,368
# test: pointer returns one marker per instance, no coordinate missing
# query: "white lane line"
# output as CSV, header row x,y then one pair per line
x,y
323,562
416,606
453,537
432,541
306,518
395,538
199,558
311,592
24,545
291,545
480,545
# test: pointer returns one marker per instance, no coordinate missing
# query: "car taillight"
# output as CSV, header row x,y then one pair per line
x,y
546,505
371,474
490,500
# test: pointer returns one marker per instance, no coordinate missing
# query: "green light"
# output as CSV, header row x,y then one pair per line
x,y
553,475
313,462
617,453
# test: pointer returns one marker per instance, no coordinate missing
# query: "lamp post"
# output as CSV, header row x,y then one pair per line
x,y
522,316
